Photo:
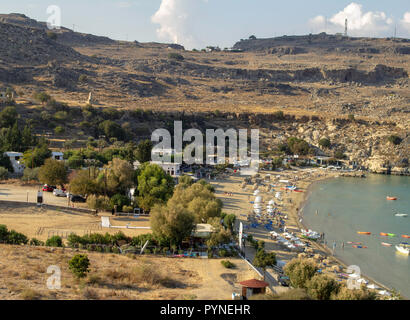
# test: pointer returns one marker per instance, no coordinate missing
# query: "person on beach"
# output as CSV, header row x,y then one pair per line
x,y
343,245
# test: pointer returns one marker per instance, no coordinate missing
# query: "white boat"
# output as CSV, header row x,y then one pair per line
x,y
401,215
403,249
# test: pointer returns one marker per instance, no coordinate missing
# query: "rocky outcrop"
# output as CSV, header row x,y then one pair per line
x,y
30,47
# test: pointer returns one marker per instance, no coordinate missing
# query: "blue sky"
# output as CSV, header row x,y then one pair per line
x,y
198,23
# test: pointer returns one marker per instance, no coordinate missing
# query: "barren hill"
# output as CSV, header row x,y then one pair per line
x,y
325,43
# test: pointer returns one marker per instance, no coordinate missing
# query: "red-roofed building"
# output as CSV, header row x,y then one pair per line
x,y
252,287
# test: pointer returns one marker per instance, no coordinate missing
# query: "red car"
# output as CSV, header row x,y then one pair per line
x,y
48,188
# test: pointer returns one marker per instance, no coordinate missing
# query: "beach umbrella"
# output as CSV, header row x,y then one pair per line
x,y
258,199
271,202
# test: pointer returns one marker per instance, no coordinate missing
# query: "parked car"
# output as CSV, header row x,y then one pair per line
x,y
75,198
284,281
48,188
59,193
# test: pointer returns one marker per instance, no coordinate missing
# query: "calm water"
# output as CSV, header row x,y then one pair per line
x,y
360,205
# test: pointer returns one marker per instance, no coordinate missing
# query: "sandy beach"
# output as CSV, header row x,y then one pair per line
x,y
237,200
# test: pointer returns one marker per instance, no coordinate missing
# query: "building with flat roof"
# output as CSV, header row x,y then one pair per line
x,y
15,159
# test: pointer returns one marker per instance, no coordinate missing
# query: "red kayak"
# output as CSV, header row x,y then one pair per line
x,y
391,198
384,234
365,233
405,236
356,243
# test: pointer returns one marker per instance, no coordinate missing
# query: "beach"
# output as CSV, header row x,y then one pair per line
x,y
237,200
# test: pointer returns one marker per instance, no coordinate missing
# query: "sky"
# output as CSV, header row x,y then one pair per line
x,y
200,23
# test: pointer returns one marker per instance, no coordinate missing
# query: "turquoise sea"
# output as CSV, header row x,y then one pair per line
x,y
348,205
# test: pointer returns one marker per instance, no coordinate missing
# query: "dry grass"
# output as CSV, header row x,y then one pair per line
x,y
111,276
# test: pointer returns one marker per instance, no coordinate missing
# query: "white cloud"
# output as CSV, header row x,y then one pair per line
x,y
176,19
405,22
371,23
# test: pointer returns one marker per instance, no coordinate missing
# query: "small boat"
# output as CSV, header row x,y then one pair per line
x,y
365,233
403,249
356,243
392,235
359,247
401,215
391,198
386,244
405,236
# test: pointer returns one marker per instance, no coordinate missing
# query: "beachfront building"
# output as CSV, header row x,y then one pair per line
x,y
253,287
57,155
15,159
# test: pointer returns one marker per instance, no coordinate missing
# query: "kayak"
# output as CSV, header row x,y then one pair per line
x,y
365,233
391,198
359,247
387,234
405,236
386,244
356,243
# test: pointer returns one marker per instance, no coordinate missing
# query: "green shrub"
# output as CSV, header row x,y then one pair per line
x,y
222,253
4,232
54,241
394,140
228,264
120,201
30,174
321,287
300,271
36,242
4,173
59,130
16,238
325,143
98,202
42,97
127,209
79,265
82,78
175,56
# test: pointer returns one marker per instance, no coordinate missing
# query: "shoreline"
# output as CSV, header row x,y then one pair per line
x,y
323,247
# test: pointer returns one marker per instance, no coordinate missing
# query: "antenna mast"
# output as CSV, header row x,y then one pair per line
x,y
346,27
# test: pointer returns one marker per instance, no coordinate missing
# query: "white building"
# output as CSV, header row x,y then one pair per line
x,y
173,169
15,158
57,155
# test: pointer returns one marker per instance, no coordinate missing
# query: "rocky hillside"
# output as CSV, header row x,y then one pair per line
x,y
326,44
64,35
30,47
318,77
